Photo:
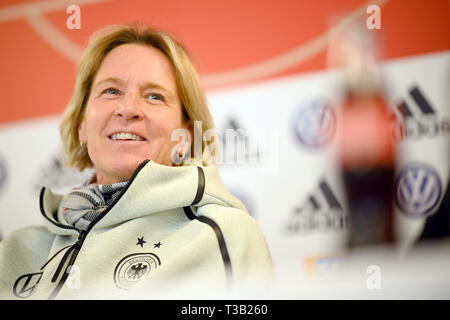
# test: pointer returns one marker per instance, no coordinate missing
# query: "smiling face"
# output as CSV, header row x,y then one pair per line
x,y
132,110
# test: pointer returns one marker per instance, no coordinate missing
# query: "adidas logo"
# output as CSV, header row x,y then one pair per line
x,y
418,118
320,211
239,145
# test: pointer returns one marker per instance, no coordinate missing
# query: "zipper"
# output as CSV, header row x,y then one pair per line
x,y
74,249
41,207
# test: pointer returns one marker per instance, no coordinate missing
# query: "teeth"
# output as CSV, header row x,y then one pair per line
x,y
126,136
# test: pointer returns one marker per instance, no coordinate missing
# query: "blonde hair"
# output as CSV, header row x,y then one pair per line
x,y
192,97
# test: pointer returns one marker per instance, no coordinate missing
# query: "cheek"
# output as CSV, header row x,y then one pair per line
x,y
92,112
163,126
96,117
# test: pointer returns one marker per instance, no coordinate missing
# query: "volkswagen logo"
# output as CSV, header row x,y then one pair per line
x,y
417,189
314,123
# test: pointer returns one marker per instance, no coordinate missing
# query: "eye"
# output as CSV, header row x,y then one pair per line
x,y
112,91
155,96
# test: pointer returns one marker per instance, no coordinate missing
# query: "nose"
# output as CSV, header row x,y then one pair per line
x,y
129,108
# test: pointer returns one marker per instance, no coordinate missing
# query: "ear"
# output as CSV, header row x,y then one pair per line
x,y
82,132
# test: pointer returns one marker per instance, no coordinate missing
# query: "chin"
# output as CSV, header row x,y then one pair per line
x,y
124,170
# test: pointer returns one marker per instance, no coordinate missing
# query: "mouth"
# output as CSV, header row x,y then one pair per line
x,y
126,136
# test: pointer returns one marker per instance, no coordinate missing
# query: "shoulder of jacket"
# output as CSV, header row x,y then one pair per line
x,y
29,234
230,218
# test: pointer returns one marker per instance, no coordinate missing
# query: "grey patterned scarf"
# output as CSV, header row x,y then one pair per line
x,y
83,205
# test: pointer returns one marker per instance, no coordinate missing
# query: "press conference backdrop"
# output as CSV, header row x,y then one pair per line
x,y
274,102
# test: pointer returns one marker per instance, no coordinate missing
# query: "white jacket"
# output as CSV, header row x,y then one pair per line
x,y
173,232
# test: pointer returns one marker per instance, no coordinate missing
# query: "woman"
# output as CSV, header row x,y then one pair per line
x,y
152,220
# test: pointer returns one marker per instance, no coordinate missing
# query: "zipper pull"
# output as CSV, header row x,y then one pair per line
x,y
80,236
62,262
48,261
73,248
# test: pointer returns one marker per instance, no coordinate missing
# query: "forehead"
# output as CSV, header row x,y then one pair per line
x,y
137,62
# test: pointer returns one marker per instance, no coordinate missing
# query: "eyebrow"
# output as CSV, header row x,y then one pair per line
x,y
147,85
109,79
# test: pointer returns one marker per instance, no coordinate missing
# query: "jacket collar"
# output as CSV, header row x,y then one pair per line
x,y
153,188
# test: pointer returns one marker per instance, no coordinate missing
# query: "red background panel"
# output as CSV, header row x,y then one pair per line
x,y
37,80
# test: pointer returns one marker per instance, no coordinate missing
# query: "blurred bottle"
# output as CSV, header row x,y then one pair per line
x,y
367,148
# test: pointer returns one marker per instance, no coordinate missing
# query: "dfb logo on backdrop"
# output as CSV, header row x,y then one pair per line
x,y
417,189
314,123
